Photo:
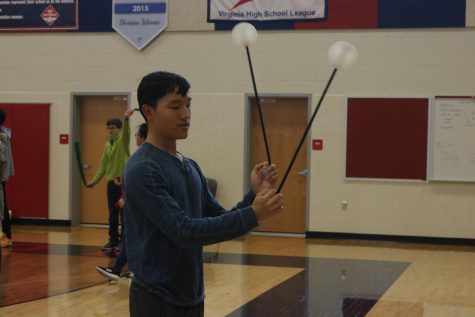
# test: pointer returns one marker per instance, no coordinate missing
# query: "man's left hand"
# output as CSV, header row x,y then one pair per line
x,y
263,176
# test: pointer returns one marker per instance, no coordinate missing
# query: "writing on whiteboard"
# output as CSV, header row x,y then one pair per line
x,y
453,144
448,155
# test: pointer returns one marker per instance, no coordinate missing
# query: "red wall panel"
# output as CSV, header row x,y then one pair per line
x,y
346,14
387,138
27,190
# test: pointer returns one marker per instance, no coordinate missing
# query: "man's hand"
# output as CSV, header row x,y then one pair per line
x,y
120,203
128,114
267,203
263,176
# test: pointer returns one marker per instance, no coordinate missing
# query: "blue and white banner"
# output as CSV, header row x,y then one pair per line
x,y
265,10
139,22
41,15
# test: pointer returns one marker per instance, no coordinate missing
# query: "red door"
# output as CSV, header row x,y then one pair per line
x,y
27,190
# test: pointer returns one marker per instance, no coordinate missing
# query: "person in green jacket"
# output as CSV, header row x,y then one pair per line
x,y
115,155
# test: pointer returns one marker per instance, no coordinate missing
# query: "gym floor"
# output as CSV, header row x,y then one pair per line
x,y
50,271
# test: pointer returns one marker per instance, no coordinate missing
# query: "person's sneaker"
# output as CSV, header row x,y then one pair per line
x,y
127,274
109,246
108,272
5,242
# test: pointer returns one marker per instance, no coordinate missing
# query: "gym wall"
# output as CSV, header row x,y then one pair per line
x,y
48,67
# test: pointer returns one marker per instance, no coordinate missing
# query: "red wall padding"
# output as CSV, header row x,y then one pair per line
x,y
387,138
27,190
346,14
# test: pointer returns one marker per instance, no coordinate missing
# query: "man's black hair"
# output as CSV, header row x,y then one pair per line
x,y
115,122
157,85
3,116
143,130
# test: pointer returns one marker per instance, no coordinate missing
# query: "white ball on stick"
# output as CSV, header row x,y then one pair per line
x,y
342,55
244,34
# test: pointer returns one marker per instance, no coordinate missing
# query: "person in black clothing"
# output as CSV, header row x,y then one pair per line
x,y
115,272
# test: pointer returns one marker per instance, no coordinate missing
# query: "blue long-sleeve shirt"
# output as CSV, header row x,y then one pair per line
x,y
169,216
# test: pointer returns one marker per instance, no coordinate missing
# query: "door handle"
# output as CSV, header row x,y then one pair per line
x,y
85,166
303,173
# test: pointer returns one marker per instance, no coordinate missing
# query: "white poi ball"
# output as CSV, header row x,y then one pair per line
x,y
244,34
342,55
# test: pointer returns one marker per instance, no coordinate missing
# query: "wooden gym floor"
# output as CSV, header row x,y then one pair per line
x,y
51,272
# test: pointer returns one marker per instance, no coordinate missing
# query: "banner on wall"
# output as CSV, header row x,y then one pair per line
x,y
42,15
139,22
265,10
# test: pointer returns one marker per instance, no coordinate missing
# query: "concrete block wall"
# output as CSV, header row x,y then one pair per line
x,y
48,67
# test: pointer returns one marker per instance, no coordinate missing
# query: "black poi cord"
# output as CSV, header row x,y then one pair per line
x,y
306,130
256,95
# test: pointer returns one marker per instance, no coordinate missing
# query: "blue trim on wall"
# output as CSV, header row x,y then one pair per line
x,y
421,13
95,16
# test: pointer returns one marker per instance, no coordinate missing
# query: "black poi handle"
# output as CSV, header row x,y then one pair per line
x,y
256,95
77,151
306,130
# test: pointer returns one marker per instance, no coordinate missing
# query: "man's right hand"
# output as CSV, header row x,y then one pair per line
x,y
267,203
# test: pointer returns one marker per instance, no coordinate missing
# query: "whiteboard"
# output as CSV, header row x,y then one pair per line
x,y
453,139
